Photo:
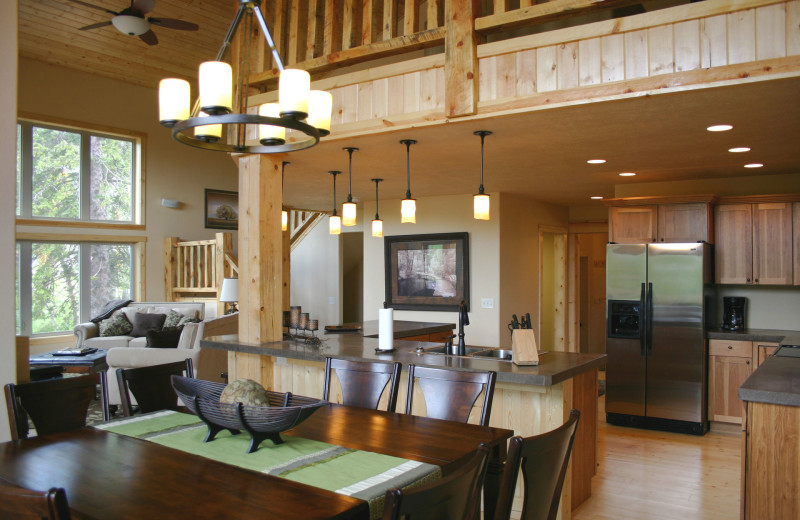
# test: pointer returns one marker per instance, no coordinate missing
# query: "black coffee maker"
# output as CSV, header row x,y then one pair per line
x,y
733,312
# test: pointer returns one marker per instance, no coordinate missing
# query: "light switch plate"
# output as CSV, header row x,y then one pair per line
x,y
331,300
487,303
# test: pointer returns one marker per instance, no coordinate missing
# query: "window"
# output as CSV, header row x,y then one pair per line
x,y
73,177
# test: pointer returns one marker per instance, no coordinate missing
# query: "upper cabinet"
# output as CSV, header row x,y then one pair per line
x,y
634,221
754,243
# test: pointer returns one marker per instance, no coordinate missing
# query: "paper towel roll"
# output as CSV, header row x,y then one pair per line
x,y
385,329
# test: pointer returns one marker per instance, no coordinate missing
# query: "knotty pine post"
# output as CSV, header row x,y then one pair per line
x,y
460,58
260,263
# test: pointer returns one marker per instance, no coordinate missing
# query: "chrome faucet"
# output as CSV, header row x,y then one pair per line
x,y
463,319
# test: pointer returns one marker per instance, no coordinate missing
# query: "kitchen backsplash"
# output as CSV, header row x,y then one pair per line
x,y
768,307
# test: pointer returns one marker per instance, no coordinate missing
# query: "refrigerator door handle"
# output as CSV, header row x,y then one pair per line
x,y
649,318
643,320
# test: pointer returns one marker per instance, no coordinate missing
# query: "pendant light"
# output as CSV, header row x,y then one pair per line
x,y
349,207
284,213
377,224
480,201
334,221
408,206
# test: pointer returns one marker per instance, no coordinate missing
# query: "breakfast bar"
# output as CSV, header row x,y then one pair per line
x,y
528,399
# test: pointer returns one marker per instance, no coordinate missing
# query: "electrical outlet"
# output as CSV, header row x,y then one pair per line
x,y
487,303
331,300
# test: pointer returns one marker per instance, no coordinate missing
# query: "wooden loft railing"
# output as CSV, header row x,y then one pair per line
x,y
194,269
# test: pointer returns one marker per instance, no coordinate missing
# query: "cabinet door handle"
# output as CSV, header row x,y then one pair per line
x,y
756,280
747,362
748,280
730,347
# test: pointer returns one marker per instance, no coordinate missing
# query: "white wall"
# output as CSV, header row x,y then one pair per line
x,y
8,143
767,307
440,215
316,275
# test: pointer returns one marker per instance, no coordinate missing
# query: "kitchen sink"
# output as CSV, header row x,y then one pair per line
x,y
441,350
499,354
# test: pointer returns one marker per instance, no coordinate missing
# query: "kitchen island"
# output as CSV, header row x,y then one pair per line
x,y
527,399
771,440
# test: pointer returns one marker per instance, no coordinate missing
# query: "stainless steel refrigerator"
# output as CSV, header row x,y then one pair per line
x,y
658,298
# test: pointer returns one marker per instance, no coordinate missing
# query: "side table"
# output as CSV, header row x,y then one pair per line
x,y
87,364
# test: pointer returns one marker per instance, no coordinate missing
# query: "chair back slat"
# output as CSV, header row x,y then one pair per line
x,y
24,504
543,461
363,382
451,394
151,386
54,405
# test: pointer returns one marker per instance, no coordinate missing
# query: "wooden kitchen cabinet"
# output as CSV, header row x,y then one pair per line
x,y
796,236
632,224
729,364
754,243
640,224
762,351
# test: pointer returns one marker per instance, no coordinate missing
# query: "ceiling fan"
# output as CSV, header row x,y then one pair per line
x,y
132,21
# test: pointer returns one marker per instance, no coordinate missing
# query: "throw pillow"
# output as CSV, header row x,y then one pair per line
x,y
142,322
165,338
187,319
173,317
117,325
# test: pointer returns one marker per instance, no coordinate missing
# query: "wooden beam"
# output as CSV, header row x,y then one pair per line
x,y
460,58
535,14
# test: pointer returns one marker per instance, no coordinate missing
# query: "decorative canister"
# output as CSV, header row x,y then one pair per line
x,y
294,317
313,324
303,321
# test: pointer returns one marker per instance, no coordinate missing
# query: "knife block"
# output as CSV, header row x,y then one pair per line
x,y
523,347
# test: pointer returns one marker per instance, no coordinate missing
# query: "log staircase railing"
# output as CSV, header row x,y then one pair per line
x,y
301,222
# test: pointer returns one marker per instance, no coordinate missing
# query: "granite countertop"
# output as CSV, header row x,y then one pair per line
x,y
769,335
402,329
553,368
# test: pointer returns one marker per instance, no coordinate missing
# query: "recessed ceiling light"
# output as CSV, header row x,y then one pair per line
x,y
719,128
753,165
627,174
739,150
596,198
596,161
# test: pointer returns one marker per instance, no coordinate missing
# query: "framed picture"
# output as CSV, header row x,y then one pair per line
x,y
222,209
427,272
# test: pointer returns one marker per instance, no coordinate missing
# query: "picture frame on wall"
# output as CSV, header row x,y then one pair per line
x,y
222,209
427,272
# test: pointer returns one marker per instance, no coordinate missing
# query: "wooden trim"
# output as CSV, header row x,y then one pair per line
x,y
642,201
79,125
49,340
759,199
461,59
675,14
598,226
57,237
541,13
77,224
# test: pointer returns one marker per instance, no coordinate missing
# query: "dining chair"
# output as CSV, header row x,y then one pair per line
x,y
363,382
543,460
25,504
151,386
454,497
54,405
450,394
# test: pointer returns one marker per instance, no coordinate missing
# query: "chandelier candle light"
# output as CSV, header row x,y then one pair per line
x,y
377,224
408,206
480,201
305,113
349,207
334,221
284,213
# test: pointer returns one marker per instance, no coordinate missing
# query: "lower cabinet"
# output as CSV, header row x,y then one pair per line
x,y
730,363
433,337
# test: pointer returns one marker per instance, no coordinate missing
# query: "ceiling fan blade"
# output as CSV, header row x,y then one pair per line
x,y
149,37
172,23
144,6
95,26
86,4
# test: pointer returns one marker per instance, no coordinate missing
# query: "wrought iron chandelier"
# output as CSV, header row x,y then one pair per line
x,y
304,113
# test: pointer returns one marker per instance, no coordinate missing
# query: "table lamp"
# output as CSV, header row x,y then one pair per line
x,y
230,293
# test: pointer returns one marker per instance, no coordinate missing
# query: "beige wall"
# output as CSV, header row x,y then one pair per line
x,y
316,275
8,140
172,170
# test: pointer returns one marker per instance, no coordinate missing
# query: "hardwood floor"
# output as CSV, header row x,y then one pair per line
x,y
646,474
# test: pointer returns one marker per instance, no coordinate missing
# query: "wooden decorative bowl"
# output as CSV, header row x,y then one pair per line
x,y
262,422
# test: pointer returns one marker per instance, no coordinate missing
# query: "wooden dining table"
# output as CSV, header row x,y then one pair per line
x,y
107,475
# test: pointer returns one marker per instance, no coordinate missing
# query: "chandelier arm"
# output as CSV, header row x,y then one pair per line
x,y
226,43
268,37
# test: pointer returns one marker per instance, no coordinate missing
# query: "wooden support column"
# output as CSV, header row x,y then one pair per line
x,y
287,269
460,58
260,263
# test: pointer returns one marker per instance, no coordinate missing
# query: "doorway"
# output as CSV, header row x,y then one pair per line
x,y
352,277
553,288
591,291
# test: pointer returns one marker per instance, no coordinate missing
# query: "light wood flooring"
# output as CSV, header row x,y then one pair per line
x,y
646,474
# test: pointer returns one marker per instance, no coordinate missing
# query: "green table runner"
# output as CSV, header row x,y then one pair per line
x,y
360,474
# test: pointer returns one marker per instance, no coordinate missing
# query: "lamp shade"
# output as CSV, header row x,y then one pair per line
x,y
294,87
209,133
284,220
230,290
408,211
480,206
335,225
349,214
173,100
270,134
377,228
320,107
216,87
131,25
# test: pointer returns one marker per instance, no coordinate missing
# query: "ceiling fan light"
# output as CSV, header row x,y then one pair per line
x,y
132,25
480,206
408,211
216,87
173,101
320,106
294,87
270,135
